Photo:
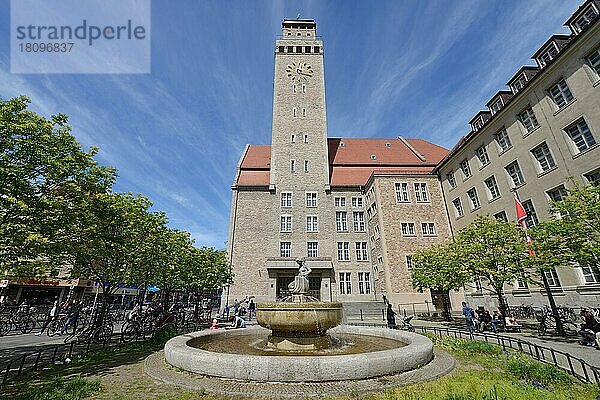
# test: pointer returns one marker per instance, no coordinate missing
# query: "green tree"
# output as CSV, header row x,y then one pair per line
x,y
439,268
44,175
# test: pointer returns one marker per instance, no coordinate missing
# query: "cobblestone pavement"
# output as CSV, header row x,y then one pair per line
x,y
157,368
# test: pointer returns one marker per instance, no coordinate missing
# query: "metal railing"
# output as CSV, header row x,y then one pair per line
x,y
573,365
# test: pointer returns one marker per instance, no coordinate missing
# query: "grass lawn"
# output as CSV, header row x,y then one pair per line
x,y
485,373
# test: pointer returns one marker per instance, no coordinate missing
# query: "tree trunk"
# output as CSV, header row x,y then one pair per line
x,y
501,303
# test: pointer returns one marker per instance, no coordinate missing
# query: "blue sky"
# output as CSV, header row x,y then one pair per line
x,y
417,68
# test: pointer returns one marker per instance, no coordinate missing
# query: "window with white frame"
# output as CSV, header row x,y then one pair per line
x,y
450,179
501,216
305,138
286,223
312,223
593,177
552,278
428,228
521,285
492,188
458,208
364,283
409,261
357,202
561,94
594,60
361,251
312,249
591,274
531,219
294,111
503,140
293,165
473,198
477,283
402,192
345,283
482,156
514,172
339,201
557,194
293,138
286,199
311,199
496,106
585,19
528,119
358,219
580,134
519,83
341,221
548,55
465,168
285,249
408,229
421,195
543,157
343,251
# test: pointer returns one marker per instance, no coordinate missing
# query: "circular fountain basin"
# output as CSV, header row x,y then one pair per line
x,y
413,351
294,319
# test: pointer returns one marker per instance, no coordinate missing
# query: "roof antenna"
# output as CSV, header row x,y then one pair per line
x,y
298,16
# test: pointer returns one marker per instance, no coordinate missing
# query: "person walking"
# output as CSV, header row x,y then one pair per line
x,y
251,309
468,313
73,318
52,313
391,317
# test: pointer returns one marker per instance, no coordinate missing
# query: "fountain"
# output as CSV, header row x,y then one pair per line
x,y
300,340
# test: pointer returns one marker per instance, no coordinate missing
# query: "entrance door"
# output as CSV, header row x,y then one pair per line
x,y
438,298
314,286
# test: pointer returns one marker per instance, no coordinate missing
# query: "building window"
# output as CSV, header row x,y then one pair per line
x,y
421,195
298,48
543,157
593,177
492,188
294,111
358,218
312,249
409,262
357,202
557,194
305,138
290,49
428,228
458,209
521,285
345,283
408,229
552,278
312,224
450,179
364,283
305,165
311,199
528,119
585,19
303,89
286,199
361,251
594,61
514,172
281,49
343,251
286,223
293,138
304,112
465,168
294,88
317,49
503,140
339,201
531,219
496,106
549,55
402,192
501,216
591,274
561,94
307,49
477,284
581,136
341,221
285,249
519,83
482,155
293,165
473,198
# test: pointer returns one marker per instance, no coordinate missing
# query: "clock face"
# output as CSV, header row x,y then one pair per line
x,y
299,72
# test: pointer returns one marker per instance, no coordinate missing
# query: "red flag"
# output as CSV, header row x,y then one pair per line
x,y
521,213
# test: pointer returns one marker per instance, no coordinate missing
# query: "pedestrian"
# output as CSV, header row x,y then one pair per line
x,y
73,317
251,309
52,313
391,317
496,319
469,314
588,329
236,307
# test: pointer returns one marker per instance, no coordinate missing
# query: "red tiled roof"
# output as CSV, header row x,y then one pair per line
x,y
351,160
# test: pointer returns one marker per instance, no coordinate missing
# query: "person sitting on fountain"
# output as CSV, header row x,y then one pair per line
x,y
215,325
237,322
300,283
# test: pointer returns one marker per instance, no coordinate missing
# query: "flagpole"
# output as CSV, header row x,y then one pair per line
x,y
521,216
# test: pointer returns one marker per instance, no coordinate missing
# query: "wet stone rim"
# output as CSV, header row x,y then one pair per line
x,y
417,353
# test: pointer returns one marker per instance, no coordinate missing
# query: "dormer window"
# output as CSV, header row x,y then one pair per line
x,y
477,124
584,20
519,83
496,106
548,55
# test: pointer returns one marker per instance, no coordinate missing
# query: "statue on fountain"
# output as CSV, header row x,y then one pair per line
x,y
299,286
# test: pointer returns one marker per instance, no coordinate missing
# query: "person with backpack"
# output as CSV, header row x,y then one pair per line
x,y
469,315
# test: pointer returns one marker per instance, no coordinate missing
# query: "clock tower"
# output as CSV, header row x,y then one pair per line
x,y
299,160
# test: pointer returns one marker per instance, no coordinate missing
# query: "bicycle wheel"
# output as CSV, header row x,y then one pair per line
x,y
129,332
542,329
103,333
4,328
54,327
26,324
